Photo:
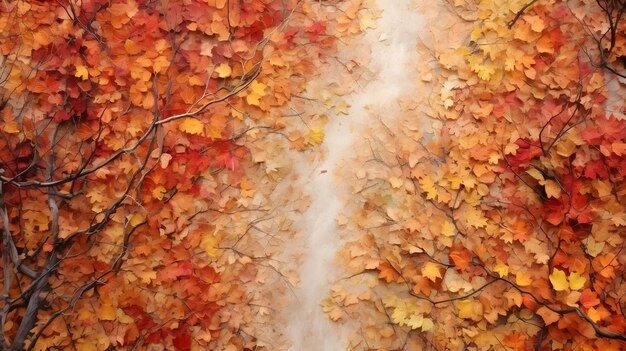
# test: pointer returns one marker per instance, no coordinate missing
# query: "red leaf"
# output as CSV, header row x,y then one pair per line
x,y
527,151
460,256
589,298
182,339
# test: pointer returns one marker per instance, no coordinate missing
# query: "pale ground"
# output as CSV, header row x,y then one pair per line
x,y
393,54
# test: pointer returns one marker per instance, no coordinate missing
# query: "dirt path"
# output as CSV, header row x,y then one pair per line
x,y
392,45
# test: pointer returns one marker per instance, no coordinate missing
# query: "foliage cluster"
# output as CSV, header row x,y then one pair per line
x,y
140,143
504,228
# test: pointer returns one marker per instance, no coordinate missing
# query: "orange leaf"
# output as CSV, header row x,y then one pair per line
x,y
387,272
548,315
589,298
460,256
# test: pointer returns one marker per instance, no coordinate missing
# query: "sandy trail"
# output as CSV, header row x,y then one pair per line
x,y
392,45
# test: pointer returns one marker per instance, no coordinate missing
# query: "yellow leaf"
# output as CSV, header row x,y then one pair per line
x,y
427,325
593,314
576,281
470,309
11,127
395,182
253,99
82,72
335,314
431,271
523,279
146,277
559,280
552,189
158,192
593,248
192,126
236,114
223,70
367,20
258,91
123,317
534,172
501,269
511,149
136,219
209,243
194,80
428,186
475,217
316,136
447,229
415,321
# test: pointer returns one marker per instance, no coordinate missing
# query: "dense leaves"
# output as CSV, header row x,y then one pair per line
x,y
140,144
499,223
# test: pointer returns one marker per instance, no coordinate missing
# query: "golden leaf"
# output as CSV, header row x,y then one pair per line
x,y
576,281
192,126
223,70
431,271
559,280
82,72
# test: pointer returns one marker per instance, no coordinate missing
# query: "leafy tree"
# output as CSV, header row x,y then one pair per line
x,y
503,228
133,135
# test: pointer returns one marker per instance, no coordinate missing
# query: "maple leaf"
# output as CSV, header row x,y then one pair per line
x,y
576,281
470,309
257,92
428,186
316,136
559,280
82,72
387,272
159,192
502,269
548,315
460,256
431,271
192,126
223,70
589,298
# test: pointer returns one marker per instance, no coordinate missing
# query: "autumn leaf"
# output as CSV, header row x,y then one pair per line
x,y
559,280
316,136
431,271
158,192
257,92
576,281
523,279
501,269
470,309
82,72
548,315
589,298
192,126
223,70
